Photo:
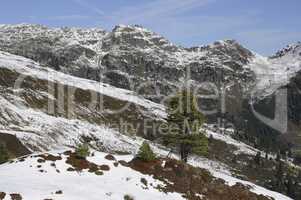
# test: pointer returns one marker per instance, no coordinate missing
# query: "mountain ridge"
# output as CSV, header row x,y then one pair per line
x,y
135,66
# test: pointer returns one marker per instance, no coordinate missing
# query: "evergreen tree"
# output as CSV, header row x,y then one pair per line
x,y
290,187
257,158
279,177
278,157
289,149
82,151
3,153
145,153
184,116
289,153
210,140
234,159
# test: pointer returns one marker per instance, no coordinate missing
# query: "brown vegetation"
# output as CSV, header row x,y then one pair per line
x,y
192,182
2,195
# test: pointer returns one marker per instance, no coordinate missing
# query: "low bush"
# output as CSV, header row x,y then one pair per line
x,y
128,197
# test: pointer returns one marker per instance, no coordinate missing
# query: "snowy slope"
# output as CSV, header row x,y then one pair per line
x,y
113,185
218,170
40,131
115,142
25,178
272,73
30,68
242,147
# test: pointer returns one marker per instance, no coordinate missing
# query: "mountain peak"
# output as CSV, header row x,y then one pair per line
x,y
225,42
140,37
291,49
135,26
227,48
21,25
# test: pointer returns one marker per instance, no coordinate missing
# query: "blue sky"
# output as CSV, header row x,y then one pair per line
x,y
261,25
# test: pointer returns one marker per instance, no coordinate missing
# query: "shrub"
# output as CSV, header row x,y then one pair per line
x,y
128,197
143,181
99,173
82,151
145,153
3,153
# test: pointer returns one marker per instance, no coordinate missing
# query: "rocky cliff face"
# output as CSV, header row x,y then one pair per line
x,y
275,75
66,49
134,58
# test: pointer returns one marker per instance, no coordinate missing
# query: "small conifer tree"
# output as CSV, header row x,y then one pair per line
x,y
82,151
145,153
257,158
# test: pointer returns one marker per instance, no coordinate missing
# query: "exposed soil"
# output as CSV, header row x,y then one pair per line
x,y
16,197
124,163
13,145
48,157
59,192
192,182
144,181
110,157
41,160
79,164
70,169
2,195
104,168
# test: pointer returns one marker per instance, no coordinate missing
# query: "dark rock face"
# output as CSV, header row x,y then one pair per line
x,y
134,58
289,49
156,69
64,49
15,147
294,109
294,98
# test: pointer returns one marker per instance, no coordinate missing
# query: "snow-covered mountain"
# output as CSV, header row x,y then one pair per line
x,y
132,50
138,54
276,71
59,86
